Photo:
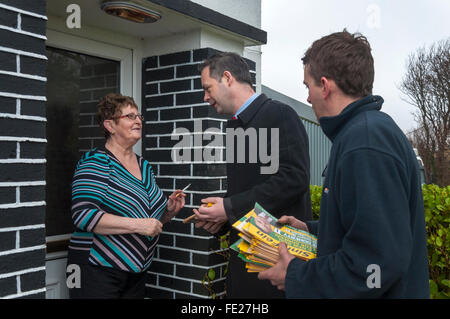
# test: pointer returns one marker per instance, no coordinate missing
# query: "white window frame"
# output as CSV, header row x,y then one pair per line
x,y
129,59
104,50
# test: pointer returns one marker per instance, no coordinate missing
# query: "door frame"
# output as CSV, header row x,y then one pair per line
x,y
130,86
99,49
128,53
104,50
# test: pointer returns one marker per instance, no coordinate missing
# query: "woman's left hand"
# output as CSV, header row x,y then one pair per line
x,y
175,203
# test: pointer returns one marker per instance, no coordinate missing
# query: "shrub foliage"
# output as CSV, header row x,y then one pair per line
x,y
437,217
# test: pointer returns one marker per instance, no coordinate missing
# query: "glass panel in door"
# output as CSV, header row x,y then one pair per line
x,y
75,83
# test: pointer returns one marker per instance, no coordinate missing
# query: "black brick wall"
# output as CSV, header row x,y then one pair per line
x,y
95,81
173,98
22,148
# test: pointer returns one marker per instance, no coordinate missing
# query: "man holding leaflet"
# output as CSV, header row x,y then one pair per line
x,y
228,88
371,231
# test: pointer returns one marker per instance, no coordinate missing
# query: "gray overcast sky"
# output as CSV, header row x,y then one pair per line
x,y
394,28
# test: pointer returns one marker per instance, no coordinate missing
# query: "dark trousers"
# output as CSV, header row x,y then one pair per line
x,y
108,283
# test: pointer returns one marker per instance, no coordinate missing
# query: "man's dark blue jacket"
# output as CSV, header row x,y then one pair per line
x,y
371,231
283,192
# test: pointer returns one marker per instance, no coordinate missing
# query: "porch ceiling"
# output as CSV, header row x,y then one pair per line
x,y
177,17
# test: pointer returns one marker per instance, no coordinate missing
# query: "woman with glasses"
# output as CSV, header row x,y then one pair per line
x,y
117,209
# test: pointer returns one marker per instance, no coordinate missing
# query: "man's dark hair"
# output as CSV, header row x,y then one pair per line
x,y
227,61
345,58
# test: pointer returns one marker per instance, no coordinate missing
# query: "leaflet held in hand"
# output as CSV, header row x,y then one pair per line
x,y
261,234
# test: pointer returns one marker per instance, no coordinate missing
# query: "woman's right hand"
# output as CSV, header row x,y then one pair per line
x,y
148,227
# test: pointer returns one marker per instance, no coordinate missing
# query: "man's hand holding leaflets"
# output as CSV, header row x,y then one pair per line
x,y
266,242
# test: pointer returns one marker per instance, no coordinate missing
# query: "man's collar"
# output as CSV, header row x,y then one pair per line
x,y
332,125
246,115
246,104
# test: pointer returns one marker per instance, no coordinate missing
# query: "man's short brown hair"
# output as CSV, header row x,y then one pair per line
x,y
345,58
227,61
109,108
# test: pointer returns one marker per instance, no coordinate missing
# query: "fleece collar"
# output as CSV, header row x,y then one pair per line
x,y
331,125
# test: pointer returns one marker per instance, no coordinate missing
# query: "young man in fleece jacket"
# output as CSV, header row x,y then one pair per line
x,y
371,231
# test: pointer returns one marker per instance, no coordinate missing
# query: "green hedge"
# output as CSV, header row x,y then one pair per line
x,y
316,195
437,217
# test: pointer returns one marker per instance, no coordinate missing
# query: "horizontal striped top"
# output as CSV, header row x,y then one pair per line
x,y
101,184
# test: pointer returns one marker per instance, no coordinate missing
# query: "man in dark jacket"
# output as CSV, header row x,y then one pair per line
x,y
371,231
281,187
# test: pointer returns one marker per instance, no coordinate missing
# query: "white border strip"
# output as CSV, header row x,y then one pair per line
x,y
178,291
25,53
192,77
29,183
188,162
23,117
34,35
184,278
32,292
188,265
190,120
189,177
192,251
22,96
19,228
171,107
19,205
26,76
22,139
36,15
184,134
21,272
172,65
184,148
188,235
21,250
23,161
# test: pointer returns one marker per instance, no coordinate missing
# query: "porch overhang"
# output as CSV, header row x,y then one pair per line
x,y
178,17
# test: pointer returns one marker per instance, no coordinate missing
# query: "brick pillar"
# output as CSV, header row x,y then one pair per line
x,y
22,148
173,98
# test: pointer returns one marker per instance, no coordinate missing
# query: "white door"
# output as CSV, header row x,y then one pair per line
x,y
79,72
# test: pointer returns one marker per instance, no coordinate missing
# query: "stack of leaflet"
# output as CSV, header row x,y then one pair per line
x,y
261,234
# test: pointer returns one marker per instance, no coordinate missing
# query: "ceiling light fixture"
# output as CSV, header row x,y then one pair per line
x,y
130,11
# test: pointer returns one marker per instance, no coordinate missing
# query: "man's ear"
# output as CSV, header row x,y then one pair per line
x,y
228,77
326,86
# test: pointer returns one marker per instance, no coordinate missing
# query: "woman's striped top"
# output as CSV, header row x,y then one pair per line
x,y
101,184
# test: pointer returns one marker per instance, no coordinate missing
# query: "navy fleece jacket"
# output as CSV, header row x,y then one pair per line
x,y
371,213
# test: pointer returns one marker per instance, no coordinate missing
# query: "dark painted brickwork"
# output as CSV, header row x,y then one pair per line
x,y
173,98
22,148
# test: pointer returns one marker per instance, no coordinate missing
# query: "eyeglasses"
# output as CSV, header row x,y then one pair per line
x,y
131,116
